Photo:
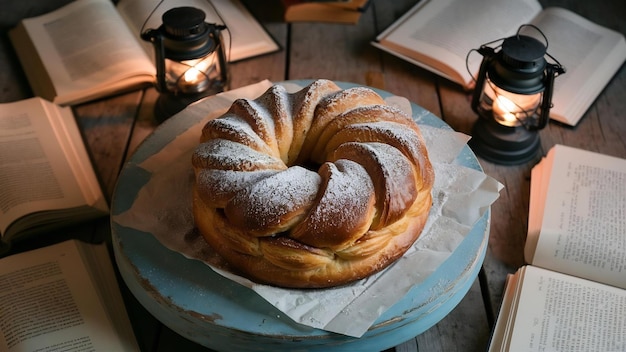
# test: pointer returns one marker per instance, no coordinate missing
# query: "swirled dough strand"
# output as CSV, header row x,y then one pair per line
x,y
311,189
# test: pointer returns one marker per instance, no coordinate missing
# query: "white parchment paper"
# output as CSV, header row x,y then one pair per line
x,y
460,197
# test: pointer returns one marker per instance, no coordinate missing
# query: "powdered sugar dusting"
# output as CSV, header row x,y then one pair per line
x,y
350,95
228,155
217,187
233,128
278,104
395,134
266,203
343,211
392,173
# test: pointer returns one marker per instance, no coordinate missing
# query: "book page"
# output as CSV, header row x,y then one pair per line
x,y
583,230
441,33
100,269
48,302
244,38
35,173
599,52
506,314
71,142
540,178
557,312
86,46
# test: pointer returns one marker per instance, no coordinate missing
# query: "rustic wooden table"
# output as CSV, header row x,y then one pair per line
x,y
113,128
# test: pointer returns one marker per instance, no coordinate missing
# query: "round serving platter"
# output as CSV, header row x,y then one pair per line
x,y
190,298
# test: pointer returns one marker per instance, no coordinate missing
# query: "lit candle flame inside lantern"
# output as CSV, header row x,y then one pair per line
x,y
504,108
198,74
193,76
511,109
190,59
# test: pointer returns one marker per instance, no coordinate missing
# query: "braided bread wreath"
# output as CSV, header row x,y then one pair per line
x,y
311,189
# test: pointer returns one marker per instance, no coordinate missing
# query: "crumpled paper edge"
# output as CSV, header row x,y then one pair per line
x,y
334,309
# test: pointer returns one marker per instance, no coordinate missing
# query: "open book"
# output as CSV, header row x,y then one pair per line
x,y
439,35
91,49
64,297
544,310
572,295
47,177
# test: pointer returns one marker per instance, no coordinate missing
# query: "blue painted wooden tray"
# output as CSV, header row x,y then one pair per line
x,y
199,304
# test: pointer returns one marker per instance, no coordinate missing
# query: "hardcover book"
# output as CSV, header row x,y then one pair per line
x,y
47,177
441,35
91,49
572,294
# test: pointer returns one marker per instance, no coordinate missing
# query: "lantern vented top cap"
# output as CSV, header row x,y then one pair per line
x,y
184,21
523,52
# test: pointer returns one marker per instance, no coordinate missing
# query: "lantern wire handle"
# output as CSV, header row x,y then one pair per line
x,y
519,30
145,22
482,47
230,39
559,69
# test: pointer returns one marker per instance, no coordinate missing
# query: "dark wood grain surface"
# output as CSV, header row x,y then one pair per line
x,y
114,127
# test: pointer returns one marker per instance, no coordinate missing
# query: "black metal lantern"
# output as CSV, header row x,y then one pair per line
x,y
190,59
512,97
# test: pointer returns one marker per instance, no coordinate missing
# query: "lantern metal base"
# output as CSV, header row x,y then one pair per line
x,y
502,144
168,105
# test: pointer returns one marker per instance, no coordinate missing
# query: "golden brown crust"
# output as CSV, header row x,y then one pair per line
x,y
299,266
304,103
346,215
259,204
393,178
329,108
